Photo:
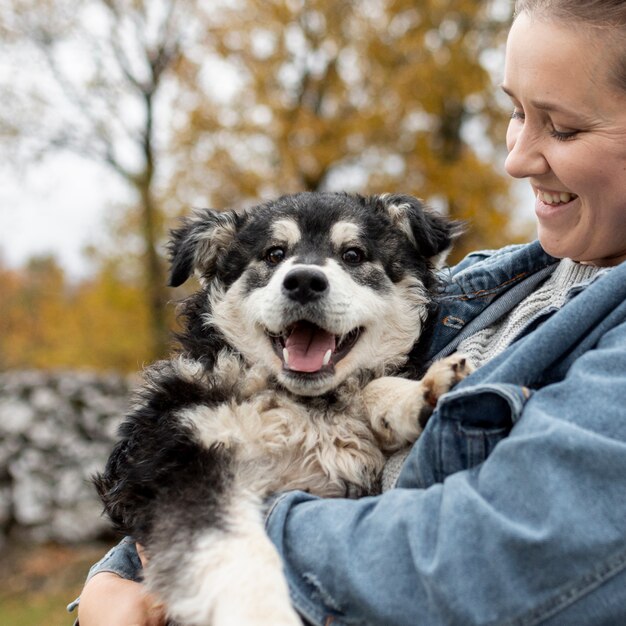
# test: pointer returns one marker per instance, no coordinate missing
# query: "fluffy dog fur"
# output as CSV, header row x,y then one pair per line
x,y
294,372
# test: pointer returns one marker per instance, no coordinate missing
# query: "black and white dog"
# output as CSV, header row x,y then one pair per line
x,y
296,371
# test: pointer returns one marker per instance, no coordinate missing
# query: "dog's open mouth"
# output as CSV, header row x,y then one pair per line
x,y
306,348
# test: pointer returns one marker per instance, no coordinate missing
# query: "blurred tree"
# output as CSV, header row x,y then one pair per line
x,y
10,316
107,65
226,102
45,322
383,95
28,299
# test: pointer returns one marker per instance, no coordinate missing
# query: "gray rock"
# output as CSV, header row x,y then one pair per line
x,y
16,416
56,431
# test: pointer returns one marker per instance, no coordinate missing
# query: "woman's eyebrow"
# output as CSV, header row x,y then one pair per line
x,y
539,104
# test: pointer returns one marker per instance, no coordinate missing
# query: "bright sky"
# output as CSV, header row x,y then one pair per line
x,y
57,207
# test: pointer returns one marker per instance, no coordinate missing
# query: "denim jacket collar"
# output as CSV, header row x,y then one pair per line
x,y
505,276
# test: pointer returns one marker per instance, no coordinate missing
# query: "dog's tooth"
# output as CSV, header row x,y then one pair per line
x,y
286,356
327,356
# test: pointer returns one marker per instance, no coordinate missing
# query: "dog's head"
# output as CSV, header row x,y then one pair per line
x,y
316,286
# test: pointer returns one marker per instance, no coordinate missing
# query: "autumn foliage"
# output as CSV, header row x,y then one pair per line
x,y
48,322
237,102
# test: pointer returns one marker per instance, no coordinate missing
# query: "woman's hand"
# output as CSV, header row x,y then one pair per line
x,y
109,600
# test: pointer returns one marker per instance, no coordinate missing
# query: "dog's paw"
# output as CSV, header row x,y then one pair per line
x,y
394,406
399,408
443,375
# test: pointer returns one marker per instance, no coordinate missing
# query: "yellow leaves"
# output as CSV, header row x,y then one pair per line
x,y
47,322
343,85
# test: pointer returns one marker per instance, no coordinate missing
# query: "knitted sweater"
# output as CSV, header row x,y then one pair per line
x,y
491,341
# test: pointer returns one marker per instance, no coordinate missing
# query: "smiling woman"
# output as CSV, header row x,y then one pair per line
x,y
567,135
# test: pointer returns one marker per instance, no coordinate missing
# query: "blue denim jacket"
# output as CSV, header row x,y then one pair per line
x,y
511,507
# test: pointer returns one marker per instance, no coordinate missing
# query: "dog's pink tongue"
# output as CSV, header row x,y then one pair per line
x,y
307,344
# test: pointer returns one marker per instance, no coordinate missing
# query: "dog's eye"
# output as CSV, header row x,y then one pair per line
x,y
275,255
353,256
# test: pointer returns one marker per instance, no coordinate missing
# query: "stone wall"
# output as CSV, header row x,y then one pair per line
x,y
56,430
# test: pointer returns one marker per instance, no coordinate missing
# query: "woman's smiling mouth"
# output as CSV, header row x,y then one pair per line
x,y
555,198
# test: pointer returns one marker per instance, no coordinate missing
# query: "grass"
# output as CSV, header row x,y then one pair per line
x,y
37,582
35,610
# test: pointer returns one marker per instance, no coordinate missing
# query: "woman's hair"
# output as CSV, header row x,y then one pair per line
x,y
608,15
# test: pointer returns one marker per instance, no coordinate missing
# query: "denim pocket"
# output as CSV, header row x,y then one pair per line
x,y
473,420
479,443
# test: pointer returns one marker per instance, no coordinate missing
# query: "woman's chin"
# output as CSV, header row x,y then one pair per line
x,y
551,244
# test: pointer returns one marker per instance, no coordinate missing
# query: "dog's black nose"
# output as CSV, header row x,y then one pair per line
x,y
305,284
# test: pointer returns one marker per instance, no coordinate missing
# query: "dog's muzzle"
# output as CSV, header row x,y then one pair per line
x,y
307,348
304,346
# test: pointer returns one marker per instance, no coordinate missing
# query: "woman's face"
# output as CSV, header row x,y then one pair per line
x,y
567,135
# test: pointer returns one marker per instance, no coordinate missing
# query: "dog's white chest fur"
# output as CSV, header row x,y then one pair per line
x,y
281,443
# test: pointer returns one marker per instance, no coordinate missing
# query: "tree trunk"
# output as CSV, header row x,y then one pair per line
x,y
154,274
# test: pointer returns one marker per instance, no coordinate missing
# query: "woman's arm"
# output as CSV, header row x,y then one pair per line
x,y
535,532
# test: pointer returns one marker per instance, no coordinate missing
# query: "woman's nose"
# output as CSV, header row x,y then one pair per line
x,y
525,158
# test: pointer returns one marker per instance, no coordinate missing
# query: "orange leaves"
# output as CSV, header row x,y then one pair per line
x,y
47,322
362,96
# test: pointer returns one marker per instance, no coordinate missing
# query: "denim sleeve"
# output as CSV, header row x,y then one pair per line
x,y
122,560
533,534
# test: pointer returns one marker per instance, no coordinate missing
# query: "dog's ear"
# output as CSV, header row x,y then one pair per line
x,y
200,242
431,233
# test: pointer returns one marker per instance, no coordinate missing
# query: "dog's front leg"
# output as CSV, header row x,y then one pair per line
x,y
399,408
228,574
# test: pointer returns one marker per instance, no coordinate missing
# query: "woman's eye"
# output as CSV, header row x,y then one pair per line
x,y
563,135
517,115
275,255
353,256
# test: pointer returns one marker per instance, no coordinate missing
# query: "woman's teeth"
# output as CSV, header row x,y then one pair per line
x,y
556,198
